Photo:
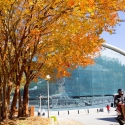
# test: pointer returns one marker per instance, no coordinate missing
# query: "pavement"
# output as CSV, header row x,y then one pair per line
x,y
93,118
101,118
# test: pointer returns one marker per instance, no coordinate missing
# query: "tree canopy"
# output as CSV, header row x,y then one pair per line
x,y
60,34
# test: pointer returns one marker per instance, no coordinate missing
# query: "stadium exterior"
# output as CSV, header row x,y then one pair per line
x,y
93,85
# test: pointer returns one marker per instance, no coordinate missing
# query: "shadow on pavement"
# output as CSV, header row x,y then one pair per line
x,y
111,119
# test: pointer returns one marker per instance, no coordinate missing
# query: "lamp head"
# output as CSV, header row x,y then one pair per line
x,y
48,77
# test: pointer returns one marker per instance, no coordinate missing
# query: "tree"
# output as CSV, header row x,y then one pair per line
x,y
60,34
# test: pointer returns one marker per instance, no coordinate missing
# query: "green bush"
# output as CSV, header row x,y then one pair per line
x,y
54,117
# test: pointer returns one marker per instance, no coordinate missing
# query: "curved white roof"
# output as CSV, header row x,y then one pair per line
x,y
114,48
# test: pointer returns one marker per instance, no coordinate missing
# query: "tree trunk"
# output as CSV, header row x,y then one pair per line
x,y
8,99
0,100
14,102
0,112
4,103
8,94
20,113
25,100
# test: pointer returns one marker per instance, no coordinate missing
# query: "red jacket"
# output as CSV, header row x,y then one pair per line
x,y
108,107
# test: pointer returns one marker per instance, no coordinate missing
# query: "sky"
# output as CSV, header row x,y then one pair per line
x,y
118,39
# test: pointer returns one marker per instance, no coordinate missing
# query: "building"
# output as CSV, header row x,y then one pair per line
x,y
92,85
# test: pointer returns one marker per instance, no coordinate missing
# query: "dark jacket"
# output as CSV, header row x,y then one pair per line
x,y
118,99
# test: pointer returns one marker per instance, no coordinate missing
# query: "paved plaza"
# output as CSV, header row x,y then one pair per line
x,y
102,118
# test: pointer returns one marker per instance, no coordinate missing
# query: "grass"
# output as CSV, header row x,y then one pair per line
x,y
54,117
36,120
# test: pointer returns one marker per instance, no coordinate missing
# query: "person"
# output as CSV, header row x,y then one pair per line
x,y
39,112
43,112
119,101
108,108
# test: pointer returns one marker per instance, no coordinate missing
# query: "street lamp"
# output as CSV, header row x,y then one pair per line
x,y
40,101
77,80
48,78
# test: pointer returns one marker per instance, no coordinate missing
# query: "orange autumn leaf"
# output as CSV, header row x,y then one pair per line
x,y
71,2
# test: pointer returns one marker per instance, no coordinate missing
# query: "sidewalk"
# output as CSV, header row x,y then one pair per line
x,y
64,121
102,118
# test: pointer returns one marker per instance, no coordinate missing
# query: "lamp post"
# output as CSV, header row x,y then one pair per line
x,y
77,80
40,102
48,78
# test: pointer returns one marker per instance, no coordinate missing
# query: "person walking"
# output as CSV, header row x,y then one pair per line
x,y
39,112
43,112
108,108
119,102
